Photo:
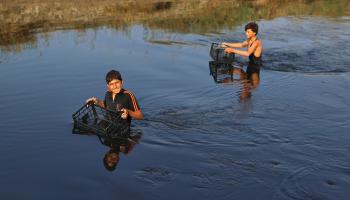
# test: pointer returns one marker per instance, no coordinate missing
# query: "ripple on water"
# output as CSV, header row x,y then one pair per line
x,y
155,176
317,182
186,126
296,48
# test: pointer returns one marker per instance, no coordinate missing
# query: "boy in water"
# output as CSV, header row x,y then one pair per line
x,y
119,99
254,52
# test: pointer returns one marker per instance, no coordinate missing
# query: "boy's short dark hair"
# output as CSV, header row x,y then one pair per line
x,y
113,74
253,26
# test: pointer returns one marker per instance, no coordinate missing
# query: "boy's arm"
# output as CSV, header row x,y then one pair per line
x,y
95,101
100,103
135,114
135,111
243,53
235,45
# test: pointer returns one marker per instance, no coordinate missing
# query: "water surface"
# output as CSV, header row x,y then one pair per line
x,y
289,140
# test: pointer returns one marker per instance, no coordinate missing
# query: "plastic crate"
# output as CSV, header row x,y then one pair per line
x,y
218,53
225,72
100,121
220,71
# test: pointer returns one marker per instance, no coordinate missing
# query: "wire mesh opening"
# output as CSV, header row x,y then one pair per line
x,y
98,120
225,72
218,53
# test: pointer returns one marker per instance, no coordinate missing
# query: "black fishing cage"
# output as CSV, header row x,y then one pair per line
x,y
221,71
100,121
218,53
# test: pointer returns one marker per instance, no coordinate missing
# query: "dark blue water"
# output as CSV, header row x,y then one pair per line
x,y
200,140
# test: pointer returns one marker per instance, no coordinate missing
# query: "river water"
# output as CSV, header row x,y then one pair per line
x,y
202,138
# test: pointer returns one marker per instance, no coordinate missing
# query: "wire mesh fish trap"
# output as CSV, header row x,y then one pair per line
x,y
224,72
218,53
100,121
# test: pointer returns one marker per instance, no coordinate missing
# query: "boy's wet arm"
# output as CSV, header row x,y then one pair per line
x,y
242,53
248,52
95,100
100,103
235,45
136,114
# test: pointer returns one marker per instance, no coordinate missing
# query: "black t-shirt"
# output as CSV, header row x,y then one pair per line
x,y
124,99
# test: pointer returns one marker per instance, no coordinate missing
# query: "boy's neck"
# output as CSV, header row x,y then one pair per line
x,y
253,38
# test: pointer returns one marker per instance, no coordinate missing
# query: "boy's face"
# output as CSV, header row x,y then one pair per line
x,y
115,86
249,33
112,159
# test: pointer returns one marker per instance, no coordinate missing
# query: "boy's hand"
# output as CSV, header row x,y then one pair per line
x,y
91,100
125,113
229,50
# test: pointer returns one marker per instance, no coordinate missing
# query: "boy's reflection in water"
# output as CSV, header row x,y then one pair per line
x,y
230,73
116,146
111,158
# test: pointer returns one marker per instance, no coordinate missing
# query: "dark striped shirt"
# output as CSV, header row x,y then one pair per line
x,y
124,99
